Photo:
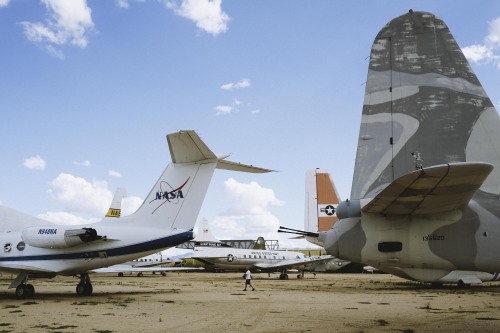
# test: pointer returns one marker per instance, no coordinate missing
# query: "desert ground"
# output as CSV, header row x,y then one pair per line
x,y
216,302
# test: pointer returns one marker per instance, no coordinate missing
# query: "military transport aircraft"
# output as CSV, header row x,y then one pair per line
x,y
425,198
166,218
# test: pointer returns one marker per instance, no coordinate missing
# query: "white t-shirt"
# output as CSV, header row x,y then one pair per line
x,y
248,275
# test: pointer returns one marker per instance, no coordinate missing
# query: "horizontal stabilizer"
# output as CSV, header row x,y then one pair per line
x,y
227,165
431,190
187,147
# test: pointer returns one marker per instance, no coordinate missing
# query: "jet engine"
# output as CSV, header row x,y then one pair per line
x,y
58,237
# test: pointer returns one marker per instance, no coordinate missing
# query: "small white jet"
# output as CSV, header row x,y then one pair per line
x,y
165,219
221,256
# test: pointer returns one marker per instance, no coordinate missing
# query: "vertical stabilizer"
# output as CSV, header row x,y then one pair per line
x,y
115,209
205,233
322,200
423,106
260,244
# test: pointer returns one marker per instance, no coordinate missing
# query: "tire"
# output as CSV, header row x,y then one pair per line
x,y
30,291
80,289
21,291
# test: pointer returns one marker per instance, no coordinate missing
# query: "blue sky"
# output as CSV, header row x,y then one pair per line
x,y
89,89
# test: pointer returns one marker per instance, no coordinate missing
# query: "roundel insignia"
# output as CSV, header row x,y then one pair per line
x,y
329,210
230,257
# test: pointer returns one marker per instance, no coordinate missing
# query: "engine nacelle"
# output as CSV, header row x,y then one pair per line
x,y
58,237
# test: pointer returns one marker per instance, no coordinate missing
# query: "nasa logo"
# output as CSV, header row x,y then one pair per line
x,y
167,193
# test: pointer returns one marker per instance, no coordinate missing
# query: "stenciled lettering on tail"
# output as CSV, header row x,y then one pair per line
x,y
167,193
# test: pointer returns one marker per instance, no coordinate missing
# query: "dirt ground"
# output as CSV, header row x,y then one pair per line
x,y
216,302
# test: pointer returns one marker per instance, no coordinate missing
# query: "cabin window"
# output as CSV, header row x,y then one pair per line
x,y
390,246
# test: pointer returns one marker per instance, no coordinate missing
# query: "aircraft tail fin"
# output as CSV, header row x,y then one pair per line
x,y
205,233
321,203
176,198
322,200
260,244
424,106
115,209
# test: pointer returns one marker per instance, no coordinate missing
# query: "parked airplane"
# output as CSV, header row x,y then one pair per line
x,y
221,256
154,263
425,198
165,219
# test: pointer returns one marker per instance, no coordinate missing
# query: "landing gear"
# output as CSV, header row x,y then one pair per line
x,y
300,275
84,288
283,276
25,291
140,274
462,285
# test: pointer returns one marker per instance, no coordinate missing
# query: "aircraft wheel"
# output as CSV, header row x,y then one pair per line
x,y
120,274
88,289
285,276
163,274
21,291
80,289
282,276
139,274
30,291
463,285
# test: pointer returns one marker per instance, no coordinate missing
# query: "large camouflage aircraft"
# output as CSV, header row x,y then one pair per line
x,y
425,201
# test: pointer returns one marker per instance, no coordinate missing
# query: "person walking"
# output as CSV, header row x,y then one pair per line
x,y
248,280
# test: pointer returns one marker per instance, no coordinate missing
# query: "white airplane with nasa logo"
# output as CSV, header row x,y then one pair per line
x,y
222,256
165,219
152,263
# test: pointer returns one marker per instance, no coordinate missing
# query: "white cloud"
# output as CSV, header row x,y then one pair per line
x,y
256,111
68,23
4,3
243,83
130,205
207,14
80,195
85,163
248,216
223,109
114,173
35,163
494,35
478,52
489,51
122,4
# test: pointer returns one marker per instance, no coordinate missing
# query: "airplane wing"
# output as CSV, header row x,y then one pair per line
x,y
296,263
128,269
431,190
